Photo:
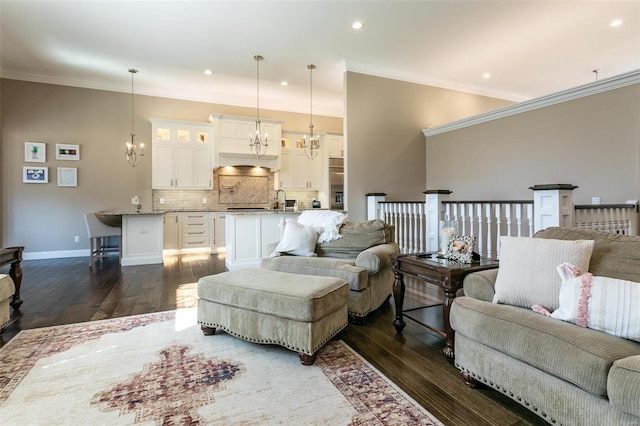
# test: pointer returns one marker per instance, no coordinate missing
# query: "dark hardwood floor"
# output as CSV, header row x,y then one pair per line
x,y
64,291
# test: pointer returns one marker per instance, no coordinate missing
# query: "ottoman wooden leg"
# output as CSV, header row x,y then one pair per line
x,y
308,359
208,331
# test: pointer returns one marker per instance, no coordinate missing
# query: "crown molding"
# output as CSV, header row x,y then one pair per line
x,y
162,92
612,83
347,64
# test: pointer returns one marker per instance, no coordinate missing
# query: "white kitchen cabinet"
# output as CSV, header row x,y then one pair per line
x,y
194,232
234,135
248,234
217,231
299,172
182,155
170,229
334,144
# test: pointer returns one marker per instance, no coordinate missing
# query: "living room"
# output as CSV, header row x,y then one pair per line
x,y
592,142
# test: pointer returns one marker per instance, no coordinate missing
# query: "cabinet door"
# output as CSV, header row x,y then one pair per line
x,y
286,173
228,136
203,171
170,231
308,173
217,232
335,146
184,166
243,130
163,165
314,172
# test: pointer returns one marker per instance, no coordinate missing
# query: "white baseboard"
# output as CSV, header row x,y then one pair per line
x,y
39,255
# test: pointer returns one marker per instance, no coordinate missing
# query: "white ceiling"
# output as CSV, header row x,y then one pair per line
x,y
531,48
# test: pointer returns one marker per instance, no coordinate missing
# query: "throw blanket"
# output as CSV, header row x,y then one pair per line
x,y
325,222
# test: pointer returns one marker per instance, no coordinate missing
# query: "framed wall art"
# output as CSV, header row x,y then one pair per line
x,y
35,174
35,152
67,152
67,176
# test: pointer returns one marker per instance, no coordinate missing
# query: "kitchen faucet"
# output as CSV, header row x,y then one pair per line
x,y
284,201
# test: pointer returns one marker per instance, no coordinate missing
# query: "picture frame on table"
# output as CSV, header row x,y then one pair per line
x,y
67,176
67,152
35,152
461,248
35,174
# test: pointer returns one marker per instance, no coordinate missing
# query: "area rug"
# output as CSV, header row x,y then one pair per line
x,y
159,369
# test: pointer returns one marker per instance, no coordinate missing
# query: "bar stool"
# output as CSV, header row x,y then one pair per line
x,y
98,234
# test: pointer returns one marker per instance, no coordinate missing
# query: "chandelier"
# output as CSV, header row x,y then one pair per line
x,y
133,157
312,146
256,143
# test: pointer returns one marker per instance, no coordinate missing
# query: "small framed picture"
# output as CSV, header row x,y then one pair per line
x,y
35,174
67,176
461,248
67,152
35,152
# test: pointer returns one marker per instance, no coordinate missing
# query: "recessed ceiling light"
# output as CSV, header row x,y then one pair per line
x,y
486,75
284,83
357,25
616,23
208,72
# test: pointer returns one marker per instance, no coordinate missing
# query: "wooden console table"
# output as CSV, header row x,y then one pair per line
x,y
443,273
13,256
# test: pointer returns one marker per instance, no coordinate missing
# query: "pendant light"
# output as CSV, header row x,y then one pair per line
x,y
312,146
133,157
257,144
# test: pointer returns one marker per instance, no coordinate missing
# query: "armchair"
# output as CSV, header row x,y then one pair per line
x,y
361,257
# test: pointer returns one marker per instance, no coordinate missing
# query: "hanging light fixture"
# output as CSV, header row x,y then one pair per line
x,y
312,146
256,143
133,157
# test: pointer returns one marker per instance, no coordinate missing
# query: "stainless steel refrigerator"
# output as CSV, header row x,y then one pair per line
x,y
336,181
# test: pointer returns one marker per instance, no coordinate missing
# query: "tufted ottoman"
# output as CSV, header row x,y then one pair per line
x,y
299,312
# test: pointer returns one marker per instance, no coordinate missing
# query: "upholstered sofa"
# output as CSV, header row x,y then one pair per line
x,y
565,373
360,257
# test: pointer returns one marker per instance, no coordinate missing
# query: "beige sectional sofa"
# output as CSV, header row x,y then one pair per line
x,y
567,374
360,257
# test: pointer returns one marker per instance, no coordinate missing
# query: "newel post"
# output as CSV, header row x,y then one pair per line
x,y
434,209
373,206
552,205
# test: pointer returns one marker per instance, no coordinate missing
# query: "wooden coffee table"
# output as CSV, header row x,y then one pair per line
x,y
429,269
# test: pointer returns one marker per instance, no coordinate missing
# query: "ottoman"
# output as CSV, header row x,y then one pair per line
x,y
299,312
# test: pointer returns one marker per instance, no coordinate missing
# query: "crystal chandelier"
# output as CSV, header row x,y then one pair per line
x,y
133,157
312,146
257,144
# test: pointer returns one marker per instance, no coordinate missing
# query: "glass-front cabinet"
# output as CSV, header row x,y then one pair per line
x,y
182,154
298,171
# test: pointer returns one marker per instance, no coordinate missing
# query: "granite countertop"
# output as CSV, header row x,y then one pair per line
x,y
129,212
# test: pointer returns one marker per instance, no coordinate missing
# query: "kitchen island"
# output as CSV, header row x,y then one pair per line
x,y
249,232
141,235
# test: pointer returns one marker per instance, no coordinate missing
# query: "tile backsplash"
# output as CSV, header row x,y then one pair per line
x,y
232,187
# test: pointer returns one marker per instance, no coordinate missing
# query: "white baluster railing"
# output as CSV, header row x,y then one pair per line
x,y
614,218
489,220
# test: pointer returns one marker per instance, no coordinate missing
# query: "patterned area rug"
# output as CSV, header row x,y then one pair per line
x,y
159,369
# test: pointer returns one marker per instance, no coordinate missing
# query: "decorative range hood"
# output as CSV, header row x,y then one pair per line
x,y
236,159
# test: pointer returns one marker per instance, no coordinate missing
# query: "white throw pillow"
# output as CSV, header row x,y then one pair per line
x,y
527,273
297,239
601,303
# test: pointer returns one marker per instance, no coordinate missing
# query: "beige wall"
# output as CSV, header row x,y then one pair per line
x,y
384,141
45,218
592,142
